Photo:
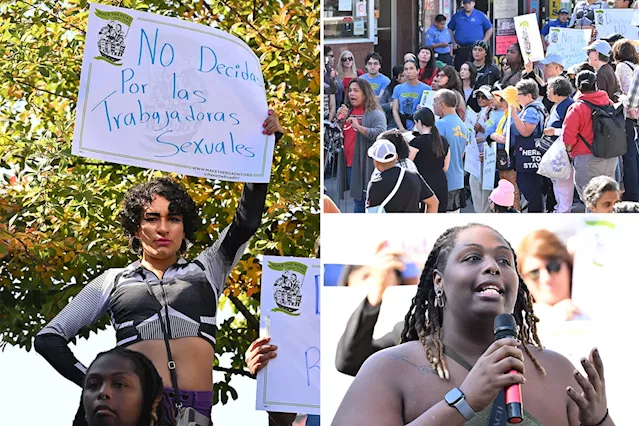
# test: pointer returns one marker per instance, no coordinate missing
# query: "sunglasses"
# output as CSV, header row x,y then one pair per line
x,y
347,59
553,267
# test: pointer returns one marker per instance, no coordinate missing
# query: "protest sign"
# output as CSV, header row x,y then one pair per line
x,y
489,166
472,163
569,43
427,99
167,94
609,21
290,315
529,37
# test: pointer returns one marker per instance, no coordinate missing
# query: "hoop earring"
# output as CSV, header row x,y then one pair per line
x,y
135,247
439,297
186,245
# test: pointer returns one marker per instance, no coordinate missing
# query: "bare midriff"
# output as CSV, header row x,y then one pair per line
x,y
193,357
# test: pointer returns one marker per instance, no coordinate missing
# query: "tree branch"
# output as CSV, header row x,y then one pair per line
x,y
55,16
233,371
242,18
42,90
252,321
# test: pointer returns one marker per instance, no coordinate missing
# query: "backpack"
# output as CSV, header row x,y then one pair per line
x,y
609,133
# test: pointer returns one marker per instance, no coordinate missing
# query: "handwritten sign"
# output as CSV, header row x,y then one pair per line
x,y
489,166
609,21
427,99
290,314
569,43
529,37
166,94
472,163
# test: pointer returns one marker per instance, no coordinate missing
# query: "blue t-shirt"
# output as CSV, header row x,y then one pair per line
x,y
435,36
469,29
453,129
378,84
551,24
408,99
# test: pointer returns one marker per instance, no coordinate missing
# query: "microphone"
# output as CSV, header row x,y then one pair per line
x,y
505,326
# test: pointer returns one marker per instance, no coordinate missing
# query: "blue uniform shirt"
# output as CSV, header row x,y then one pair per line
x,y
551,24
469,29
435,36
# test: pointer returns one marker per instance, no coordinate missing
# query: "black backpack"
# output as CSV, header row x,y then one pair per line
x,y
609,134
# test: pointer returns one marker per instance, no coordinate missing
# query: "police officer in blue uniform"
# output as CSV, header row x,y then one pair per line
x,y
466,27
438,37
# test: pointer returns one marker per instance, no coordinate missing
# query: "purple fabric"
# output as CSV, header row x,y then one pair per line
x,y
200,401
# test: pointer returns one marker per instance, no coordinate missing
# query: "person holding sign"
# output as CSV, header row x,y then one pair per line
x,y
449,368
162,305
407,96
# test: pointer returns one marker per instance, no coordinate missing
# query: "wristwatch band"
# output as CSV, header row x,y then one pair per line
x,y
455,398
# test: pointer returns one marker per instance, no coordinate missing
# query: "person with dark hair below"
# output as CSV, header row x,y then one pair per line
x,y
455,132
502,198
599,53
487,72
601,194
427,63
397,190
331,77
161,297
526,127
625,56
407,97
516,66
363,120
574,70
466,27
578,123
386,99
431,154
122,388
448,347
468,75
561,22
559,92
626,207
448,78
378,82
438,38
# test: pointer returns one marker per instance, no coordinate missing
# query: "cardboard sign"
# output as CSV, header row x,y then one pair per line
x,y
290,314
427,99
609,21
569,43
167,94
489,166
529,37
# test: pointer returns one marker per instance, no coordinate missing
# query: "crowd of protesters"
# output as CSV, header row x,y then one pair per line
x,y
368,114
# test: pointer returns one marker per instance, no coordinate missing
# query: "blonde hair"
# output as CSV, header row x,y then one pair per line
x,y
340,69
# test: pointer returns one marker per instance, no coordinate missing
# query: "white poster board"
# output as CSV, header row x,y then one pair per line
x,y
162,93
569,43
489,166
529,37
290,315
609,21
472,163
427,99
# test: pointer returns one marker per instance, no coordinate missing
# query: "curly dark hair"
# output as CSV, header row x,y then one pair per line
x,y
424,318
140,196
153,412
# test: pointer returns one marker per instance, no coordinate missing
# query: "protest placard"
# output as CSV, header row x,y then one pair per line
x,y
290,315
162,93
621,21
529,37
569,43
472,163
427,99
489,166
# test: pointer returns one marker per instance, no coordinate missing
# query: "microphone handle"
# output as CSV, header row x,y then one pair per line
x,y
513,401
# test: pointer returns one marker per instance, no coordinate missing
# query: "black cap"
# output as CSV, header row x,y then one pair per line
x,y
505,326
612,38
563,10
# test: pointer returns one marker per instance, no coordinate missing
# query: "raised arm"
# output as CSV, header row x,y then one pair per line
x,y
52,342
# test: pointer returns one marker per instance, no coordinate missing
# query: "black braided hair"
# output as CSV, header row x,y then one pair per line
x,y
153,411
424,318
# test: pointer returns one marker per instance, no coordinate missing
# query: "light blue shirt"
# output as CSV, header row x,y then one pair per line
x,y
453,129
378,84
408,99
435,36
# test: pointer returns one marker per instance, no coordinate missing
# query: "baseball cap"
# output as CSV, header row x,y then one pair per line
x,y
563,11
383,151
599,46
612,38
467,1
553,58
485,90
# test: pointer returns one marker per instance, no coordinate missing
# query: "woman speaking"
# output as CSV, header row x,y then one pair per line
x,y
450,371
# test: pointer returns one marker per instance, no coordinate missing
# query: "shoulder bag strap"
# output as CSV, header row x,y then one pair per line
x,y
166,329
393,191
498,416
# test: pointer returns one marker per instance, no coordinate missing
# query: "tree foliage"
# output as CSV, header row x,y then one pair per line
x,y
58,212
